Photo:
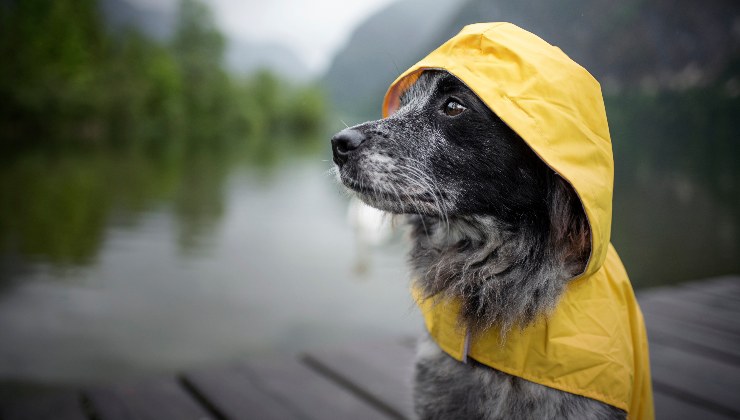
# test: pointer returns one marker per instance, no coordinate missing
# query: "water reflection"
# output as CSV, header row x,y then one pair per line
x,y
671,229
265,266
677,167
58,209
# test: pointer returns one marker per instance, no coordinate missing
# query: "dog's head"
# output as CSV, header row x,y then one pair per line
x,y
445,157
443,153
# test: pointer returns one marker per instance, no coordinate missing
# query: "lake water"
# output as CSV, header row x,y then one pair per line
x,y
275,272
113,268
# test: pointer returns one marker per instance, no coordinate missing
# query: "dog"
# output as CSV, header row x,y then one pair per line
x,y
481,205
496,149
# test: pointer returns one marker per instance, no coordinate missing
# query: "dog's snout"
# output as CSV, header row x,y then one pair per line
x,y
344,142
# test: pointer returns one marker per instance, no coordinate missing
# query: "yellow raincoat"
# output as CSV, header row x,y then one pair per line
x,y
594,344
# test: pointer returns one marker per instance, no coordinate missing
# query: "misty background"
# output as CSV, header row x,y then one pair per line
x,y
165,201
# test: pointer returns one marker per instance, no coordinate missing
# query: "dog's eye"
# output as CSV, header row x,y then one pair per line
x,y
453,108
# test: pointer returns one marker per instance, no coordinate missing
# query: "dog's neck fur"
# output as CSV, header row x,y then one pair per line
x,y
503,277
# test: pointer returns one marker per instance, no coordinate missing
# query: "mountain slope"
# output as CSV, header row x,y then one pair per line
x,y
378,50
241,57
245,57
648,44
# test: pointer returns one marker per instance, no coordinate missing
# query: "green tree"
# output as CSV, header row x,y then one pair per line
x,y
198,47
52,54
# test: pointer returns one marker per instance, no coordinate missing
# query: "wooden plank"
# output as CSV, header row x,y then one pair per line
x,y
59,406
156,399
379,371
693,338
712,382
674,408
232,394
716,302
311,393
727,287
691,312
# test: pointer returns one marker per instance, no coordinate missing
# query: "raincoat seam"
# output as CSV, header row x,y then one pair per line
x,y
544,382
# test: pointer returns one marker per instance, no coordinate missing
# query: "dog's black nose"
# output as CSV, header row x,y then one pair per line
x,y
345,142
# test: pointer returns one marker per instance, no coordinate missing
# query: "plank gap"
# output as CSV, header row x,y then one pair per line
x,y
201,399
340,379
238,395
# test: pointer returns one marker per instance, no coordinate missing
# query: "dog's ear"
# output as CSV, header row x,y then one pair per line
x,y
570,234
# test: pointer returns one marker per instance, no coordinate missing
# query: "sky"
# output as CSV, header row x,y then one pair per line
x,y
313,29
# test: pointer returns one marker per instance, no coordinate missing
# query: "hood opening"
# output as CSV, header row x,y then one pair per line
x,y
392,103
550,101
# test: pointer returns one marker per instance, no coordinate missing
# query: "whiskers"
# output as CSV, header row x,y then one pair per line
x,y
424,182
399,188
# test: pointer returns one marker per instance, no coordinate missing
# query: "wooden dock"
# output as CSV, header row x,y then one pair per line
x,y
694,332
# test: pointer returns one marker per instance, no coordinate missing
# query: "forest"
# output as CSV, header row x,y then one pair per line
x,y
98,125
69,83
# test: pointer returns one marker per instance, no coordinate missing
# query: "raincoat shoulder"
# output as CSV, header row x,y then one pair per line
x,y
593,345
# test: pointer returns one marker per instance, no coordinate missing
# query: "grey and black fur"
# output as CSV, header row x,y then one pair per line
x,y
491,224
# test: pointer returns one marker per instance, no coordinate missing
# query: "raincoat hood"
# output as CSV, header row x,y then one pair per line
x,y
553,103
594,344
